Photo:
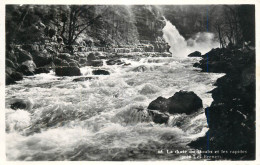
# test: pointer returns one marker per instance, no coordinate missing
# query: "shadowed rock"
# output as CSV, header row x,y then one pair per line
x,y
67,71
100,72
180,102
195,54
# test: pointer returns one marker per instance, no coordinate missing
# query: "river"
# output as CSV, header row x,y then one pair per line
x,y
94,119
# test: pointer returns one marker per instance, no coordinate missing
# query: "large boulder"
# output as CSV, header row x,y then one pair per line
x,y
67,71
180,102
184,102
195,54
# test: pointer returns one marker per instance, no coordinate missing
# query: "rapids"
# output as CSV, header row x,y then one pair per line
x,y
98,119
91,120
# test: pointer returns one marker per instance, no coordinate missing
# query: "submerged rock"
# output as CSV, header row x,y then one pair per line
x,y
84,78
159,117
141,68
21,104
100,72
133,115
180,102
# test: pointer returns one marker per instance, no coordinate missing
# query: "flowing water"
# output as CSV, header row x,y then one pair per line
x,y
98,119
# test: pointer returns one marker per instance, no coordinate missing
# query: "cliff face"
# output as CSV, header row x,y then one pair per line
x,y
231,116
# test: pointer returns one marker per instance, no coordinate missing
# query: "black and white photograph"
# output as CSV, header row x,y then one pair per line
x,y
129,82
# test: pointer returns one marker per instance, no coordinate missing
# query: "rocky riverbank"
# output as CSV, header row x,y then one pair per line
x,y
27,60
231,116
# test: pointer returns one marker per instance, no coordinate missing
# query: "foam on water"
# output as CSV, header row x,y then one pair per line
x,y
99,119
180,48
106,118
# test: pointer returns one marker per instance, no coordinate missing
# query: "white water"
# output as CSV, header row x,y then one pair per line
x,y
98,120
180,48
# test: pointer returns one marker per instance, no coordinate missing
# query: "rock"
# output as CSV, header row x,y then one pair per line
x,y
18,105
64,63
132,115
180,102
141,68
57,61
184,102
84,79
82,61
232,112
91,57
9,80
10,64
64,56
115,62
41,70
161,104
159,117
11,76
195,54
22,55
67,71
27,68
17,76
95,63
10,55
41,59
26,104
74,64
100,72
127,64
196,65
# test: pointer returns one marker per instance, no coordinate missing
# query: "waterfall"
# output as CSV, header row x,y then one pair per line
x,y
174,39
180,48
